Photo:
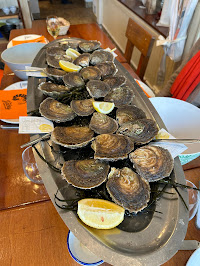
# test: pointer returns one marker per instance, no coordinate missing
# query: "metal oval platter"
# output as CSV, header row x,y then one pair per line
x,y
150,238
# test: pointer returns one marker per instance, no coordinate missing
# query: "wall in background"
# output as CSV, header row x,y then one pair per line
x,y
114,18
5,3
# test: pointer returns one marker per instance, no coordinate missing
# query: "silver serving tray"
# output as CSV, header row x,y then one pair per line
x,y
157,242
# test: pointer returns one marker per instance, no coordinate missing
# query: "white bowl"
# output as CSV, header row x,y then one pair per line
x,y
20,56
80,253
13,9
182,120
6,10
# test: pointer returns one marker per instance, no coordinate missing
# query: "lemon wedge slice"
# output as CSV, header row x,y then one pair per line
x,y
72,53
103,107
100,214
69,67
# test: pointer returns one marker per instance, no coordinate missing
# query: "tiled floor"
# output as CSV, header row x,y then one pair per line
x,y
75,12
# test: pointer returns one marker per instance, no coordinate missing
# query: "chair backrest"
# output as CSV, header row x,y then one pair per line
x,y
143,41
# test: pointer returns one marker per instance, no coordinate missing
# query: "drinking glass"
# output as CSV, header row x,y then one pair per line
x,y
53,26
30,166
193,200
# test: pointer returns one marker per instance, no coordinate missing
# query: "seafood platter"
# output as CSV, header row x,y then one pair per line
x,y
109,156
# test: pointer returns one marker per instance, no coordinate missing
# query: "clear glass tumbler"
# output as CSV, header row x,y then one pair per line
x,y
193,200
30,166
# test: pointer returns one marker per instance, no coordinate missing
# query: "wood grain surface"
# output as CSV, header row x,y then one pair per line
x,y
32,232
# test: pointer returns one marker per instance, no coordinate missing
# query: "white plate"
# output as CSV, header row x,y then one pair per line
x,y
194,260
181,118
24,38
15,86
146,88
80,253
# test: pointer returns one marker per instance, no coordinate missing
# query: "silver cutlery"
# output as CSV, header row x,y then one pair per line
x,y
35,140
186,141
10,126
30,70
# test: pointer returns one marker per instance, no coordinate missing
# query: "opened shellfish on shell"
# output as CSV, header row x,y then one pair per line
x,y
73,80
128,189
152,162
115,81
112,147
56,111
54,73
85,174
120,96
89,46
129,113
52,89
97,88
107,69
72,137
53,60
90,72
141,131
83,107
83,60
102,124
55,50
101,56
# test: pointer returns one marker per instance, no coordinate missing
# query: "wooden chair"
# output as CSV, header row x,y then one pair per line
x,y
143,41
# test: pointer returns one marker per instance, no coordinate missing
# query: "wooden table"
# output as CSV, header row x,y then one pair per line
x,y
31,232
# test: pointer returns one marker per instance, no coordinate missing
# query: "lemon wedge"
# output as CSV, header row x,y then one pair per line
x,y
69,67
103,107
100,214
72,53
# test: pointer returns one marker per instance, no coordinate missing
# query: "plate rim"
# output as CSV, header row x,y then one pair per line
x,y
9,88
21,36
173,101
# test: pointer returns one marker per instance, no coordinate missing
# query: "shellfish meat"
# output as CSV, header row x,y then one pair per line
x,y
128,189
85,174
152,162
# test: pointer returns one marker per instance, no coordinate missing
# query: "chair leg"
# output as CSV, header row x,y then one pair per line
x,y
129,51
142,66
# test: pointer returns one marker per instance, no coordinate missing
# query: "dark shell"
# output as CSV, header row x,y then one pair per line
x,y
115,81
72,137
56,111
101,56
97,88
82,60
85,174
53,60
152,162
55,50
120,96
83,107
52,89
107,69
141,131
128,189
90,72
89,46
73,80
67,44
54,73
112,147
129,113
102,123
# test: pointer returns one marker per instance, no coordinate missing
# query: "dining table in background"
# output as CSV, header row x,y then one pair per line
x,y
32,232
